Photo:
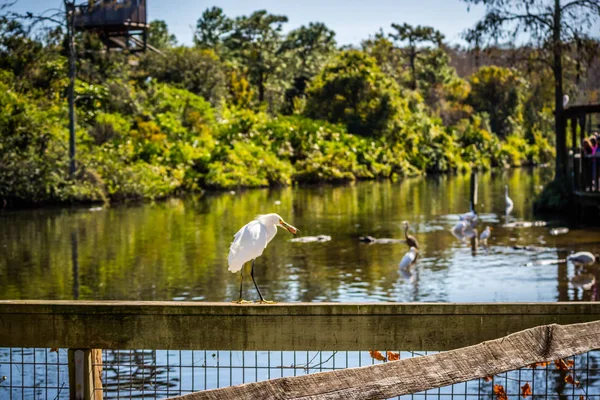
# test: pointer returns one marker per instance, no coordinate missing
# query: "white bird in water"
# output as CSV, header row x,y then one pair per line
x,y
509,202
459,228
470,216
249,244
409,258
485,235
565,100
582,258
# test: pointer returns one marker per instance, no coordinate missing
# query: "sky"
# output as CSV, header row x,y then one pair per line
x,y
352,20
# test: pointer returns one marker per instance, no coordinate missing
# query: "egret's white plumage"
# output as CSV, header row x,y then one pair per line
x,y
459,228
409,258
485,235
565,100
509,202
582,257
470,216
250,242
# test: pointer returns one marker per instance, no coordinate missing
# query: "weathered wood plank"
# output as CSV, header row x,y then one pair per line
x,y
286,326
414,375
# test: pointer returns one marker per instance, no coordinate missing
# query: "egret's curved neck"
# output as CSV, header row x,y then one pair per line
x,y
271,231
406,231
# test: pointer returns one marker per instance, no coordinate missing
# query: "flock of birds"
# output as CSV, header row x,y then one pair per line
x,y
252,239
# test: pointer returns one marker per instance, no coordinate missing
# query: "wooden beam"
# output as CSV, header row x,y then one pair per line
x,y
412,375
81,375
285,326
575,111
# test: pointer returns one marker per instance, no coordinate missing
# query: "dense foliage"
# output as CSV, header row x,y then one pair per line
x,y
249,106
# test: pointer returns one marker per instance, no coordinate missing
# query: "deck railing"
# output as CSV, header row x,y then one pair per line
x,y
65,349
112,13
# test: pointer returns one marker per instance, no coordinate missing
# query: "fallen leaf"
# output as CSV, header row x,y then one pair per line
x,y
54,349
569,379
500,392
377,355
571,363
561,365
488,378
526,390
581,397
539,364
391,356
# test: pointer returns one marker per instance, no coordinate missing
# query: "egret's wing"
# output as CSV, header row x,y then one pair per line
x,y
407,259
248,244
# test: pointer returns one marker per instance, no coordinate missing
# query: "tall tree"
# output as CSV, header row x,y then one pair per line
x,y
311,45
308,48
211,28
552,26
415,36
256,42
159,36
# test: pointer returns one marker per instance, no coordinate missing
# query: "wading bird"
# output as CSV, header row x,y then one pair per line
x,y
409,258
582,258
565,100
411,241
509,202
459,228
485,235
470,216
249,244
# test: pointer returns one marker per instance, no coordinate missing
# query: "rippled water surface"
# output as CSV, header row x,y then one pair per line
x,y
177,250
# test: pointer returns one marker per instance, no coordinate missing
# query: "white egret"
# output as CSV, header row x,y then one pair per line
x,y
411,241
250,242
565,100
485,235
470,216
459,228
582,258
509,202
409,258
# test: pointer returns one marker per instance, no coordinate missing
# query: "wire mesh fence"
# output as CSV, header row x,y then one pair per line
x,y
28,373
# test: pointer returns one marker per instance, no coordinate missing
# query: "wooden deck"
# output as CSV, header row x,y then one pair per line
x,y
579,170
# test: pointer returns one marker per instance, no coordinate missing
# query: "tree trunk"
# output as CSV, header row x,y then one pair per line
x,y
561,142
261,86
413,69
70,9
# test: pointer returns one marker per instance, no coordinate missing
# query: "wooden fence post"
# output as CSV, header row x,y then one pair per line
x,y
85,374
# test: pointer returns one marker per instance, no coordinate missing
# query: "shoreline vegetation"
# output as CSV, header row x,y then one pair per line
x,y
248,106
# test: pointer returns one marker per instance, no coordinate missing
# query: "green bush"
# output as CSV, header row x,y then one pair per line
x,y
248,165
352,90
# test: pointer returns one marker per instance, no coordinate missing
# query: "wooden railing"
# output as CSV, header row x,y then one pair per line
x,y
286,326
84,327
107,13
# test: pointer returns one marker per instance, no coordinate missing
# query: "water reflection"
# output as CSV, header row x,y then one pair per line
x,y
177,250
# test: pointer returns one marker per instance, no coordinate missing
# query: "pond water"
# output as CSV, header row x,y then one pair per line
x,y
177,249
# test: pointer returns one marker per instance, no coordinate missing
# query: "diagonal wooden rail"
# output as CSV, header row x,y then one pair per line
x,y
543,343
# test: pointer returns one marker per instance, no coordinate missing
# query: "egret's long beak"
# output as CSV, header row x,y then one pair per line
x,y
289,228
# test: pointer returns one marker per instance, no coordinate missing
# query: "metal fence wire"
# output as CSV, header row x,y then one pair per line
x,y
28,373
